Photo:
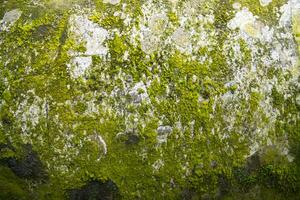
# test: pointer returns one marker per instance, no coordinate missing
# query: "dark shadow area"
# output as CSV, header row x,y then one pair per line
x,y
95,190
27,167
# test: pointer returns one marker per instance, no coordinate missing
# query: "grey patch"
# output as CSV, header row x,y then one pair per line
x,y
132,139
163,130
214,164
136,98
10,18
42,31
136,95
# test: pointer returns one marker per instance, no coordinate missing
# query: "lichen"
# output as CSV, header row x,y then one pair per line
x,y
166,99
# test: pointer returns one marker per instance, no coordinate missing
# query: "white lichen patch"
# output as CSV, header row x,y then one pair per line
x,y
236,5
158,164
247,23
113,2
250,26
9,19
92,36
79,65
280,55
90,33
149,43
173,2
265,2
30,111
152,27
195,30
287,11
156,31
92,107
158,23
101,144
181,39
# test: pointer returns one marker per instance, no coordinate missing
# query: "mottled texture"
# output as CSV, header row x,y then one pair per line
x,y
194,99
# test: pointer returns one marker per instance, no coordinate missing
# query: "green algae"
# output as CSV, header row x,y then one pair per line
x,y
130,166
11,186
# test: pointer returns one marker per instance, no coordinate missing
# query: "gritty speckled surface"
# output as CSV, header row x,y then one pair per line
x,y
165,99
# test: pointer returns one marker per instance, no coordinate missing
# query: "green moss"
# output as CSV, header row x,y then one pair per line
x,y
254,101
245,50
6,95
117,48
173,18
111,22
181,90
12,187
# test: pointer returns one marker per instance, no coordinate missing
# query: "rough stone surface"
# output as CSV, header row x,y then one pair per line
x,y
177,99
